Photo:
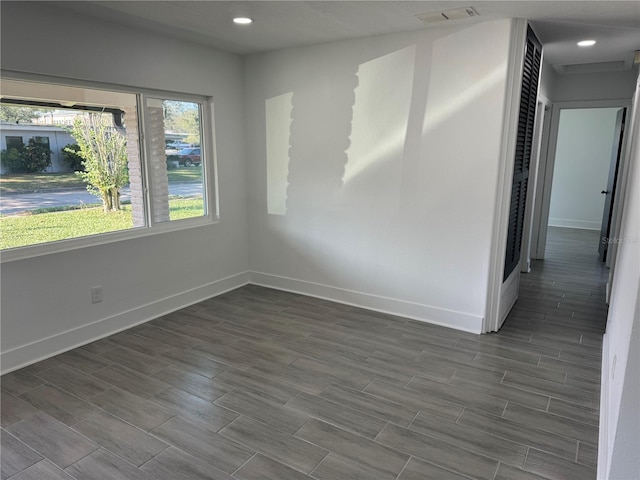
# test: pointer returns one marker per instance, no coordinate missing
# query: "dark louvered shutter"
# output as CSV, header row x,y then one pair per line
x,y
528,101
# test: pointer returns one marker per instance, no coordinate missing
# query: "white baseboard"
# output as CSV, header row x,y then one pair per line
x,y
416,311
24,355
568,223
603,431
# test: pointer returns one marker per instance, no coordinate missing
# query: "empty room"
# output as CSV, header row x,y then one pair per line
x,y
323,240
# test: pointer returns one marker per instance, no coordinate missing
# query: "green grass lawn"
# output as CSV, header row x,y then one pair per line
x,y
37,182
21,230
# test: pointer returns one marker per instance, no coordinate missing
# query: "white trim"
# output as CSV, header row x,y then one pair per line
x,y
467,322
528,244
509,295
42,349
603,429
569,223
505,176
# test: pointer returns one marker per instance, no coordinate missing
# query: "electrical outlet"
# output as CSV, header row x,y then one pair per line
x,y
96,294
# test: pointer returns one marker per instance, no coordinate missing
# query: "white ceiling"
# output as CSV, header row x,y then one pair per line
x,y
281,24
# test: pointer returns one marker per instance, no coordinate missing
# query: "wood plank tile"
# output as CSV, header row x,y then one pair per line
x,y
140,344
74,381
490,383
551,423
519,433
99,346
83,360
382,459
39,432
19,382
41,471
13,409
135,361
264,410
415,400
457,395
173,339
261,467
103,465
208,446
370,405
339,375
544,387
469,438
507,472
59,404
120,438
16,456
265,351
130,380
254,382
551,466
173,464
337,414
487,361
287,449
588,454
192,383
335,466
417,469
194,409
292,376
190,362
132,408
438,452
575,412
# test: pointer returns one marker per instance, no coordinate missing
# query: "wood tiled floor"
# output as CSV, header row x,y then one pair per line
x,y
262,384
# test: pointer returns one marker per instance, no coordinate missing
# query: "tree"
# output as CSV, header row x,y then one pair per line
x,y
13,114
71,157
104,151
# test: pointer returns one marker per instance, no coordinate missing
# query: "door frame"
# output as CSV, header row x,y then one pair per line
x,y
547,165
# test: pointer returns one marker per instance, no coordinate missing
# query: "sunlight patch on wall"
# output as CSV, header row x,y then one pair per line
x,y
460,75
441,108
380,116
278,123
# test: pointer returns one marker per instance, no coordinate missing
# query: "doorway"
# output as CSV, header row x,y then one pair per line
x,y
574,175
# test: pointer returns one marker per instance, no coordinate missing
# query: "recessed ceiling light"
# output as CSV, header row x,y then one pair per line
x,y
586,43
242,20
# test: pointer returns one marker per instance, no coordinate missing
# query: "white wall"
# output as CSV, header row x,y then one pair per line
x,y
592,86
46,303
381,185
620,394
583,157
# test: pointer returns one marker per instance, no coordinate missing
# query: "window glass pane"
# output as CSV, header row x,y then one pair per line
x,y
177,161
78,171
14,142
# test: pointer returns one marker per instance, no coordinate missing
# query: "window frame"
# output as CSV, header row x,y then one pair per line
x,y
151,228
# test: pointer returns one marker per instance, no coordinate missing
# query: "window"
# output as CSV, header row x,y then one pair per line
x,y
142,165
14,142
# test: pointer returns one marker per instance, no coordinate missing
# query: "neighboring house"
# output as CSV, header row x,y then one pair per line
x,y
16,135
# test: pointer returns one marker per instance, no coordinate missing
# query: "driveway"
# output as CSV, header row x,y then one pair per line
x,y
12,204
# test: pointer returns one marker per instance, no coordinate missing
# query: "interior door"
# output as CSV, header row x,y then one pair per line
x,y
610,190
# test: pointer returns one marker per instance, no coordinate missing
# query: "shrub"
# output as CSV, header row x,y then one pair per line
x,y
35,157
12,159
71,157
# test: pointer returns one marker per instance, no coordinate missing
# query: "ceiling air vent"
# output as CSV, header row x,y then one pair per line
x,y
453,14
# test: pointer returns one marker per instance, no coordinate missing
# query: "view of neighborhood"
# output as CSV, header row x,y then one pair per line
x,y
65,172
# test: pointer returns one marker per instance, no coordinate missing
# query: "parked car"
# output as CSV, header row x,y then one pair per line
x,y
189,156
